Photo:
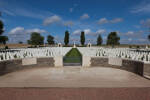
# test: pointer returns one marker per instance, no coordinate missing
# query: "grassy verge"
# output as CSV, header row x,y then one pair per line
x,y
74,52
73,56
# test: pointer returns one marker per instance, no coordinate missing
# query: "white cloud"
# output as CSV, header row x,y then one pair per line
x,y
143,7
129,33
71,10
17,30
8,12
145,23
86,31
102,21
35,30
21,34
116,20
57,20
51,20
68,23
17,8
89,32
21,30
100,31
130,39
143,40
106,21
77,32
84,16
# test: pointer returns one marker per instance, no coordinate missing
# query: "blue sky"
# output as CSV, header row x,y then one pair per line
x,y
130,18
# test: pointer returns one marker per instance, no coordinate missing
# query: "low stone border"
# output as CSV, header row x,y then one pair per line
x,y
14,65
147,69
136,67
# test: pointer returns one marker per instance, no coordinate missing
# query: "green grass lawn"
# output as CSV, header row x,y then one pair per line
x,y
73,56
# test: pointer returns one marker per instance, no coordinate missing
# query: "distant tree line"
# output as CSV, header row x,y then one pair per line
x,y
36,38
112,39
3,39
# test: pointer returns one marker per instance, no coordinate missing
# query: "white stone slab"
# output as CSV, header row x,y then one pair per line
x,y
86,61
58,61
29,61
115,61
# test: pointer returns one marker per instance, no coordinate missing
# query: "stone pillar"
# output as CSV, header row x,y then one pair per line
x,y
59,45
86,61
58,61
89,45
74,45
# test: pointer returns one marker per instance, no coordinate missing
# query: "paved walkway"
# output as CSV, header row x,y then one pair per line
x,y
73,77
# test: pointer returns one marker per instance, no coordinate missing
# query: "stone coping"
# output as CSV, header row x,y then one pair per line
x,y
137,67
18,64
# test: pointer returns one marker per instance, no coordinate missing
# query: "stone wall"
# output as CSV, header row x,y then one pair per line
x,y
10,66
14,65
147,69
47,62
136,67
98,61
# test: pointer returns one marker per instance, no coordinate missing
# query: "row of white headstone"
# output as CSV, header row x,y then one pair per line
x,y
85,51
33,52
116,52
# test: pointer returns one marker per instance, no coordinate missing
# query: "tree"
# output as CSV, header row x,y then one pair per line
x,y
113,39
82,38
20,42
149,37
50,39
99,40
1,27
66,38
3,39
36,39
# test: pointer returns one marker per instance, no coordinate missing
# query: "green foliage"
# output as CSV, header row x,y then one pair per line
x,y
66,38
82,38
36,39
6,47
3,39
73,56
29,41
113,39
137,46
130,46
99,40
50,39
1,27
149,37
74,52
20,42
